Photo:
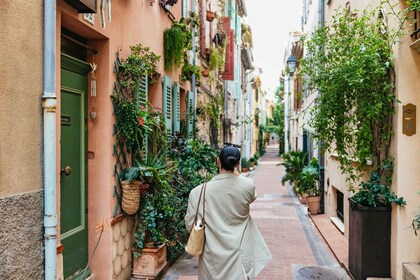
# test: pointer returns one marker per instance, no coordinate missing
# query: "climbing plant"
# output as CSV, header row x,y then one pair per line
x,y
350,63
177,40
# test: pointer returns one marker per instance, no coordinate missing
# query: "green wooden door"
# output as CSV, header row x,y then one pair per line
x,y
73,202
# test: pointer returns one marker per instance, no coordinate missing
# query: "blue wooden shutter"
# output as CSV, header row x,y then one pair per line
x,y
142,101
190,114
184,8
177,109
167,102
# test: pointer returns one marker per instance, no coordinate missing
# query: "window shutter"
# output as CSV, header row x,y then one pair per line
x,y
190,114
229,73
141,96
177,109
167,102
184,8
203,27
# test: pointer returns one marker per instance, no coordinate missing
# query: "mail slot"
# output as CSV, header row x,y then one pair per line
x,y
409,119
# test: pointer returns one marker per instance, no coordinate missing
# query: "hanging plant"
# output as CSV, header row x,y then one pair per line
x,y
177,40
188,70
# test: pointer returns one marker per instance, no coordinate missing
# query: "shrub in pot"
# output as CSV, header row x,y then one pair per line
x,y
308,184
293,163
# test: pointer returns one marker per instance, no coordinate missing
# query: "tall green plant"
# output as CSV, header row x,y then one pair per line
x,y
350,63
177,40
294,161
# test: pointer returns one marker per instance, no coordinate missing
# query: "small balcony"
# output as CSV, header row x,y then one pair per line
x,y
416,31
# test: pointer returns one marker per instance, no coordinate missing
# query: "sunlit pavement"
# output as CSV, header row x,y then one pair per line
x,y
298,249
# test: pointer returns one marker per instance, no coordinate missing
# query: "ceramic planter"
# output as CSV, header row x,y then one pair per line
x,y
369,241
314,204
150,263
205,73
210,16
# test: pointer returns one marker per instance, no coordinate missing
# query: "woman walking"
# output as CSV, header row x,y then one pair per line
x,y
234,248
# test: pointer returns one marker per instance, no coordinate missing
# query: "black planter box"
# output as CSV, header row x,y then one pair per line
x,y
369,241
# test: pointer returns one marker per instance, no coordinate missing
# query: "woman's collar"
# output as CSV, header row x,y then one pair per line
x,y
223,176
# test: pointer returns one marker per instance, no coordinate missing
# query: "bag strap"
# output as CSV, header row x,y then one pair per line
x,y
203,188
204,204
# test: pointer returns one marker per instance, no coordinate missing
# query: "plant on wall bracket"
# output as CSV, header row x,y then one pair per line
x,y
350,63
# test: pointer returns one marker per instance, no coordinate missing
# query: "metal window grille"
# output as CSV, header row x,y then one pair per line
x,y
416,25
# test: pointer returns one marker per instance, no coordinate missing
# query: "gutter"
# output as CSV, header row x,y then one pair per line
x,y
194,58
321,156
49,106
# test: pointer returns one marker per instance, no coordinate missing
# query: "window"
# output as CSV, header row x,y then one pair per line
x,y
340,205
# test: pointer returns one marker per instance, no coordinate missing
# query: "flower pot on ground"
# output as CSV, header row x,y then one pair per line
x,y
314,204
151,262
369,241
210,15
252,161
130,200
307,183
370,224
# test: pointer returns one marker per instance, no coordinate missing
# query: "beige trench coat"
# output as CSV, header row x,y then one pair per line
x,y
233,243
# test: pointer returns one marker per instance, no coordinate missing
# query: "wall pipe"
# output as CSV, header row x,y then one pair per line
x,y
193,79
49,105
321,157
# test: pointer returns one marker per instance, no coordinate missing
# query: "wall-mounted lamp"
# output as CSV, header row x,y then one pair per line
x,y
291,64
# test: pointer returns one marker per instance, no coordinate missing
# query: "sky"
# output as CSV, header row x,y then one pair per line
x,y
271,21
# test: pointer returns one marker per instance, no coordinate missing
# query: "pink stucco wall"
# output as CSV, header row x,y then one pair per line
x,y
132,22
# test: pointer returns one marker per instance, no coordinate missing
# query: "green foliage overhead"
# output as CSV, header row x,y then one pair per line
x,y
177,40
350,63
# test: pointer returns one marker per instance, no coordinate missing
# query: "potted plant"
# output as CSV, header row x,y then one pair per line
x,y
252,161
149,233
210,15
188,70
370,224
244,165
308,183
205,73
293,162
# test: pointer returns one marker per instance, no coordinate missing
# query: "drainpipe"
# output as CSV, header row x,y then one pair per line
x,y
193,79
320,154
49,105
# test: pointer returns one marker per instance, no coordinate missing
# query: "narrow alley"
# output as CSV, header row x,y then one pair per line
x,y
298,250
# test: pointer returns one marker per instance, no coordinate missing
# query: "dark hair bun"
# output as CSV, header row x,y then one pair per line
x,y
229,157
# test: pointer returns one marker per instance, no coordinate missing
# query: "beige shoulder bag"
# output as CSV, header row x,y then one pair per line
x,y
195,244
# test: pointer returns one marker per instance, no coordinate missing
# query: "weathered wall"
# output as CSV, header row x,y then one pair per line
x,y
132,22
21,56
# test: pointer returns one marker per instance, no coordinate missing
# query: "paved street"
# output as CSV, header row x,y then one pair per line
x,y
298,250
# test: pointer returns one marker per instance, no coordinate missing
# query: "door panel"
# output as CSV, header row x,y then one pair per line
x,y
73,204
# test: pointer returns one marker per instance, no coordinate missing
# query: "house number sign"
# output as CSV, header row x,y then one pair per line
x,y
409,119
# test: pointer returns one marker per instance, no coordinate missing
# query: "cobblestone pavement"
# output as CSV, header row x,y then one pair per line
x,y
298,250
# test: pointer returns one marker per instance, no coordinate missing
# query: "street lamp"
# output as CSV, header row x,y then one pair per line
x,y
291,64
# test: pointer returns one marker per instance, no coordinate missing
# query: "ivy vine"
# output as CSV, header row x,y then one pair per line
x,y
350,63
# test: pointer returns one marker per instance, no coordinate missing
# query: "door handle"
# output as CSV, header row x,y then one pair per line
x,y
66,170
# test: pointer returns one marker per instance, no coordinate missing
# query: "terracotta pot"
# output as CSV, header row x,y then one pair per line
x,y
244,169
210,16
205,73
314,204
150,264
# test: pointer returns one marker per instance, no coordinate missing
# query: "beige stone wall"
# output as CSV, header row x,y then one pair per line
x,y
21,56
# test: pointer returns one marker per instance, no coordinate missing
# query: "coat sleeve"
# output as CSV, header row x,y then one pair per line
x,y
189,217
